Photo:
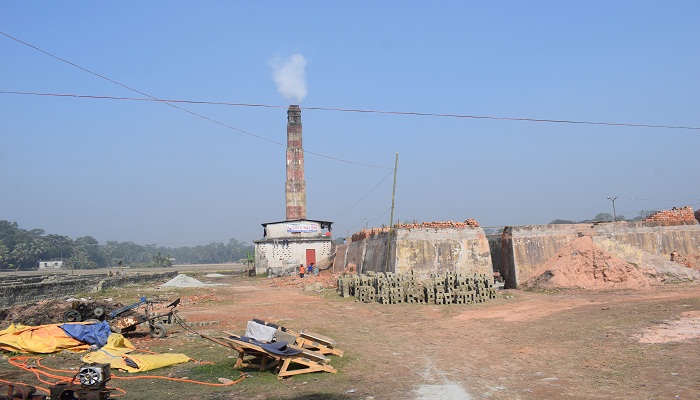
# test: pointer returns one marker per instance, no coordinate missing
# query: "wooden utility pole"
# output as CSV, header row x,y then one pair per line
x,y
391,219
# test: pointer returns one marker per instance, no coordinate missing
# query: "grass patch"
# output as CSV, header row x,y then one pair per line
x,y
211,372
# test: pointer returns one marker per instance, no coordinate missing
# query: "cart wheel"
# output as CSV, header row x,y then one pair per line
x,y
158,330
71,316
98,312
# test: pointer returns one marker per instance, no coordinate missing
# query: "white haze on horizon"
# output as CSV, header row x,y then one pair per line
x,y
290,76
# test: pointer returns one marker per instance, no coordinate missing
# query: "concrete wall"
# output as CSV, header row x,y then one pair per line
x,y
31,289
526,248
340,259
375,254
438,251
276,257
519,252
355,255
496,247
422,250
656,237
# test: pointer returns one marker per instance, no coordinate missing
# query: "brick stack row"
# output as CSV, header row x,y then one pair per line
x,y
470,223
366,233
391,288
674,214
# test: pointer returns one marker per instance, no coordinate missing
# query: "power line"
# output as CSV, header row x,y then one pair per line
x,y
413,113
370,220
151,98
169,103
381,216
98,97
367,194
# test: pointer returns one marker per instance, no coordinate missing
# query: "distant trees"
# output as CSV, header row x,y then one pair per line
x,y
160,261
81,260
212,253
21,248
604,217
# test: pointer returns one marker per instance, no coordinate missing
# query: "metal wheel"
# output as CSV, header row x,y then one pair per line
x,y
71,316
158,330
89,376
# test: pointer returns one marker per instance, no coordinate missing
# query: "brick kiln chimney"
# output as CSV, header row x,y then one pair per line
x,y
296,186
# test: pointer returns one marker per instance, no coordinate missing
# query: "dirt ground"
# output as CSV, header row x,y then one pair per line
x,y
574,344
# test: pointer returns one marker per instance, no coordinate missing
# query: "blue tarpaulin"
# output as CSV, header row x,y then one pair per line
x,y
96,333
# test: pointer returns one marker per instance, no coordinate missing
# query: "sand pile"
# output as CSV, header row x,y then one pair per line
x,y
183,280
582,264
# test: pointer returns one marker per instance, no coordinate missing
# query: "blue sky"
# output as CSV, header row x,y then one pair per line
x,y
149,173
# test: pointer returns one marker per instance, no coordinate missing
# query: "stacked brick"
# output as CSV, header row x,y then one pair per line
x,y
391,288
470,223
366,233
674,214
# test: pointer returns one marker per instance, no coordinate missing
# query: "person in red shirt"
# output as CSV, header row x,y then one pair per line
x,y
302,270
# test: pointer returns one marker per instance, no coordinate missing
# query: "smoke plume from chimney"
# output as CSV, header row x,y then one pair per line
x,y
290,77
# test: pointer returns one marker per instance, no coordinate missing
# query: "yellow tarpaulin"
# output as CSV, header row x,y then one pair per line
x,y
41,339
46,339
117,353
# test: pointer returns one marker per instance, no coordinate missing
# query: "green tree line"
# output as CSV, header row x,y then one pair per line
x,y
605,217
23,249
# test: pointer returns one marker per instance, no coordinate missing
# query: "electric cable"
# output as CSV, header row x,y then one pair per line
x,y
367,194
363,111
369,220
152,98
170,102
381,216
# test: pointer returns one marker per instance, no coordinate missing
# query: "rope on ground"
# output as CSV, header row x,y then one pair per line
x,y
40,371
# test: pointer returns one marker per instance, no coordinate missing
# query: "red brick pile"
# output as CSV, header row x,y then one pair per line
x,y
366,233
326,279
202,298
674,214
680,259
471,222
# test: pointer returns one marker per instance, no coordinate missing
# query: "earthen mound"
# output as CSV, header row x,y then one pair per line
x,y
47,311
582,264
